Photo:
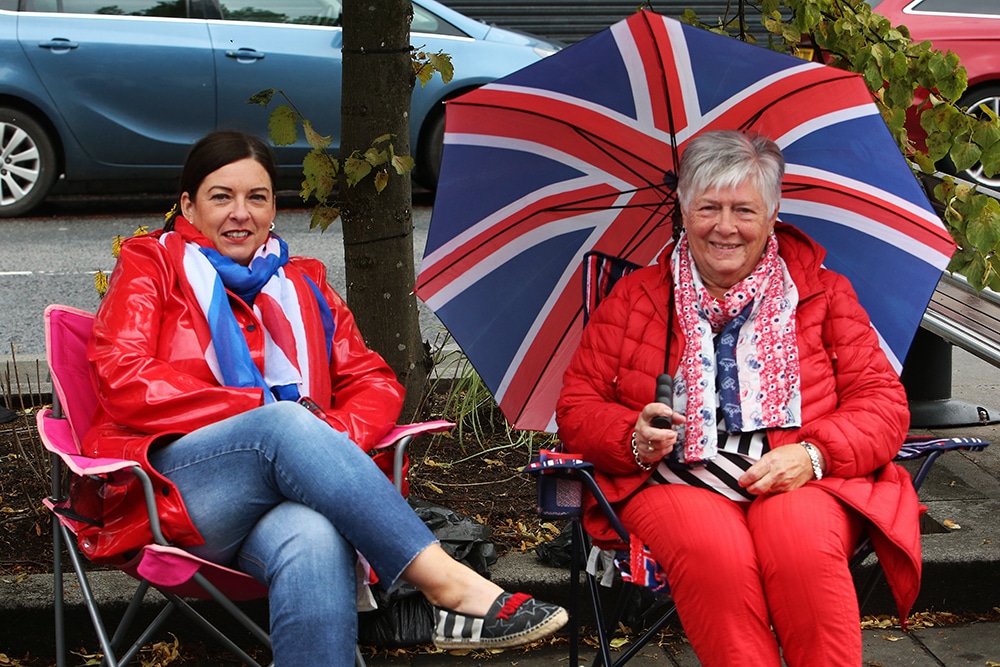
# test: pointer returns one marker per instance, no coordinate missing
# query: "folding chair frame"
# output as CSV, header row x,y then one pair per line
x,y
55,424
63,537
562,468
600,273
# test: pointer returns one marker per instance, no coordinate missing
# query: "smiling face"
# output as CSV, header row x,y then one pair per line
x,y
727,231
233,207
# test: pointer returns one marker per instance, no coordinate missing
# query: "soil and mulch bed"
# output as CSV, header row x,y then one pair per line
x,y
479,479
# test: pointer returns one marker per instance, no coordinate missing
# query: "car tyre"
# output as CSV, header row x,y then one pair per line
x,y
431,147
971,100
27,163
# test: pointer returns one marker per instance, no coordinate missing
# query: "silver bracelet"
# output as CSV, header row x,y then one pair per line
x,y
814,457
635,452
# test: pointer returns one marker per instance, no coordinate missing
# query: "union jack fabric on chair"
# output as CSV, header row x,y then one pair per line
x,y
563,478
175,573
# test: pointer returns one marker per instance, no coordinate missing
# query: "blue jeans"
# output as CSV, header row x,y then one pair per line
x,y
287,499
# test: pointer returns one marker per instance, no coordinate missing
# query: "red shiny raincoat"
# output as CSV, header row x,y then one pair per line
x,y
154,385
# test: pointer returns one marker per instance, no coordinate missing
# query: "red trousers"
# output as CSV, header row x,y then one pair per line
x,y
737,570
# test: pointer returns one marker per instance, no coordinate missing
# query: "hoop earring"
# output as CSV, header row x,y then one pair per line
x,y
272,226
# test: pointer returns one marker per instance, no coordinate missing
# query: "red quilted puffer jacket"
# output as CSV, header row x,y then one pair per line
x,y
853,406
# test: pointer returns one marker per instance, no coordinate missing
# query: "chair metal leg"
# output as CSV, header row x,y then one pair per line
x,y
210,629
359,660
58,598
603,636
577,547
88,598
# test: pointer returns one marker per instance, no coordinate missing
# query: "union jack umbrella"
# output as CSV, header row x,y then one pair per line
x,y
578,151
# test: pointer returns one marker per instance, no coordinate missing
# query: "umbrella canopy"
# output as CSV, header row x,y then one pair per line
x,y
578,151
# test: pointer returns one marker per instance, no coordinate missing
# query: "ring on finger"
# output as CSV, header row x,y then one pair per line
x,y
649,446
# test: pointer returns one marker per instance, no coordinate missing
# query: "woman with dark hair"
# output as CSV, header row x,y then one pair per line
x,y
237,377
785,420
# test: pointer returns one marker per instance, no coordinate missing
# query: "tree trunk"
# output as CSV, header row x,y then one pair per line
x,y
377,84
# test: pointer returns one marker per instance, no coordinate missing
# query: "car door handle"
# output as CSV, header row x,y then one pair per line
x,y
58,44
245,54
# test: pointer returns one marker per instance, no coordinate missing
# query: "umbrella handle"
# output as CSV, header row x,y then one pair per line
x,y
665,395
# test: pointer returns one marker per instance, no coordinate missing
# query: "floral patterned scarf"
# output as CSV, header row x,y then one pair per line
x,y
757,362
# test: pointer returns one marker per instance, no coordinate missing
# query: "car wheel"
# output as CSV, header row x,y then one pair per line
x,y
431,146
27,163
989,96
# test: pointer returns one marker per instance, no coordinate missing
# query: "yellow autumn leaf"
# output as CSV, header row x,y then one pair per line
x,y
951,525
101,283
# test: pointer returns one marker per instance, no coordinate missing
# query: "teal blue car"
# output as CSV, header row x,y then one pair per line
x,y
115,92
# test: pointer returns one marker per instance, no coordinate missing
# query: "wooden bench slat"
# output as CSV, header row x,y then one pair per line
x,y
965,317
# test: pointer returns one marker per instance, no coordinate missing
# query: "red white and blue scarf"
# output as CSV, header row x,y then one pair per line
x,y
284,301
757,359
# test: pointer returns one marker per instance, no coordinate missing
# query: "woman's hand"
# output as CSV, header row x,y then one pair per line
x,y
651,443
779,470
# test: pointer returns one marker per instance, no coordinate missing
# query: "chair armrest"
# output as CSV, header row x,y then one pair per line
x,y
915,447
564,467
401,431
929,448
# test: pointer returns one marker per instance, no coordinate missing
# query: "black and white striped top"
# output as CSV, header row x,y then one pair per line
x,y
737,452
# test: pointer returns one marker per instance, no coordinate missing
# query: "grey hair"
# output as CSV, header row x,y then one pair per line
x,y
724,159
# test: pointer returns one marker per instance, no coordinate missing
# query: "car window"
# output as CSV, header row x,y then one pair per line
x,y
160,8
425,21
8,5
982,7
303,12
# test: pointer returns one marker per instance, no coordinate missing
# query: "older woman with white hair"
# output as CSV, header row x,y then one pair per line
x,y
777,451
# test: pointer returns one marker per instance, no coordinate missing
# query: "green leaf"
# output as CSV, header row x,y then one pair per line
x,y
282,126
381,180
320,172
356,168
375,157
965,155
403,164
262,98
986,133
442,63
323,216
423,71
990,159
926,164
314,138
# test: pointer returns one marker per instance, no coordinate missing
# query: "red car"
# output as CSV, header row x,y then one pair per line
x,y
968,28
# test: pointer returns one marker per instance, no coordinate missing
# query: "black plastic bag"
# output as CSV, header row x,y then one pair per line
x,y
464,538
405,617
558,552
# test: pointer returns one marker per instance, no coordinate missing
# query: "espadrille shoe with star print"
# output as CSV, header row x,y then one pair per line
x,y
513,619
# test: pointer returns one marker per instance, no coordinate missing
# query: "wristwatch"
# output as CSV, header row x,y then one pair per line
x,y
814,457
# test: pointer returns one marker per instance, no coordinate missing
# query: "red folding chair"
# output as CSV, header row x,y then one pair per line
x,y
175,573
563,479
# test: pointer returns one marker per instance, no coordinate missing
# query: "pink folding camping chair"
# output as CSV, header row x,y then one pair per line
x,y
175,573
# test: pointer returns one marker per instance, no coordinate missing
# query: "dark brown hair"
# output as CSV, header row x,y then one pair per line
x,y
214,151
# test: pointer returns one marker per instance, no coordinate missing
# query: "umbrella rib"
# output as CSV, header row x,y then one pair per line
x,y
592,139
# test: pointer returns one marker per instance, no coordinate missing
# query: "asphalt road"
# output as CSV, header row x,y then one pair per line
x,y
52,257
